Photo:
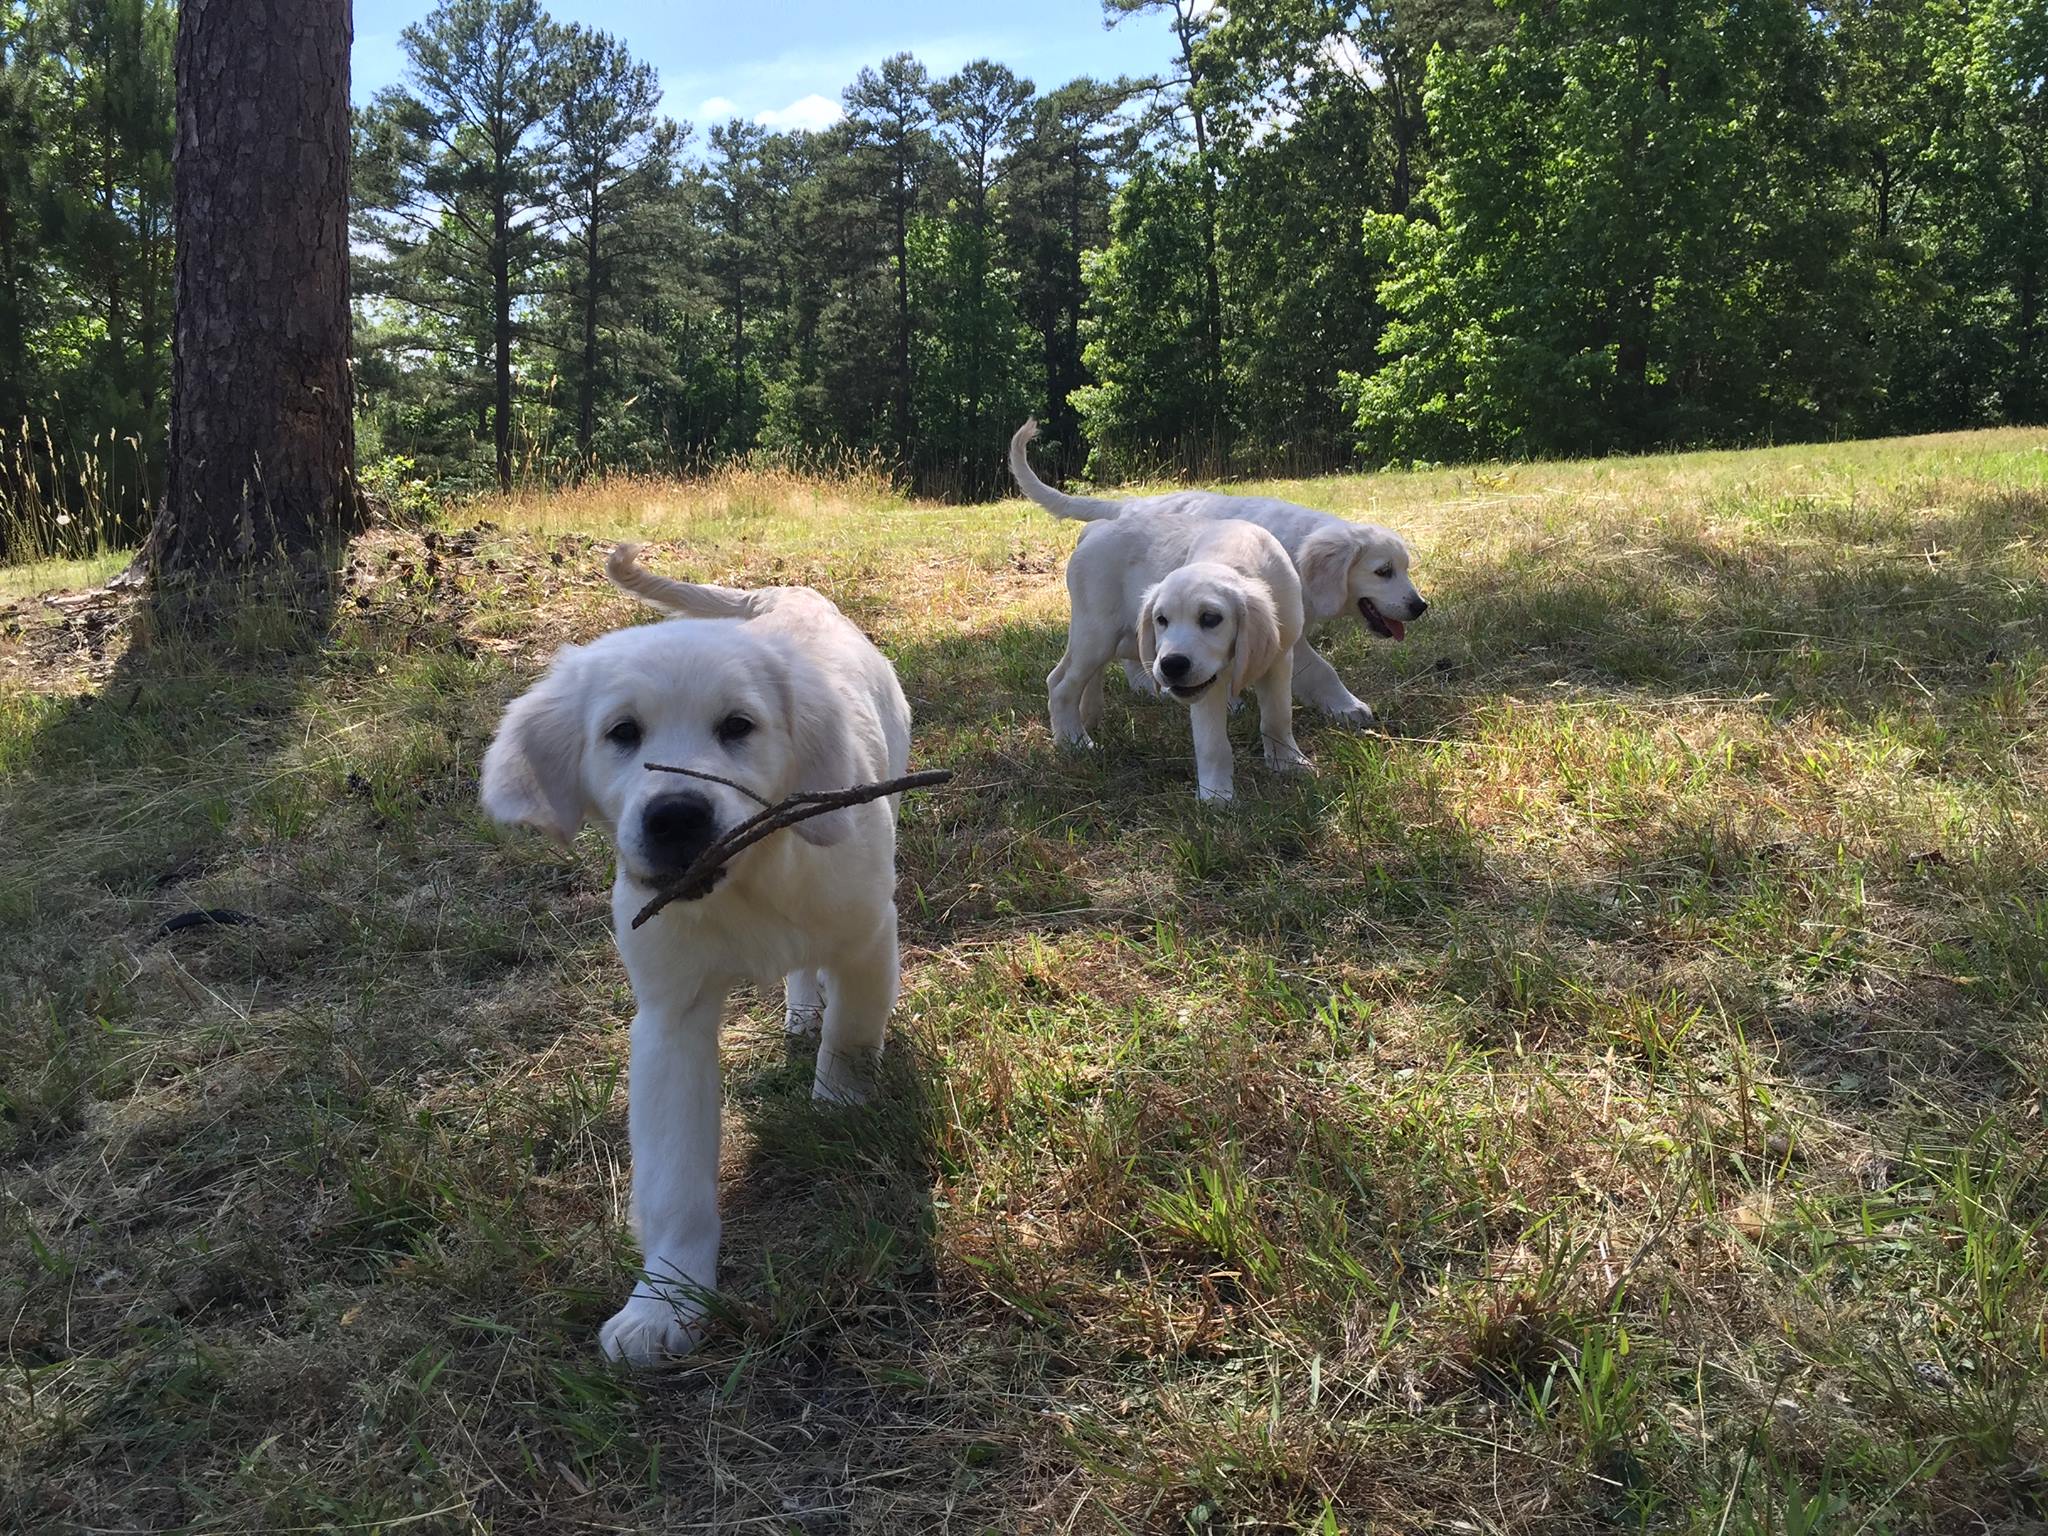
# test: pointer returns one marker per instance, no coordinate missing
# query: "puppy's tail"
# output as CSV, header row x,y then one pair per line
x,y
1082,509
686,598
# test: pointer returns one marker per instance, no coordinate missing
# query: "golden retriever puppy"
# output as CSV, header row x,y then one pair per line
x,y
1206,608
774,690
1345,567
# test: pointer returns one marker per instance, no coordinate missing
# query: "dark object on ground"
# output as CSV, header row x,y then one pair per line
x,y
204,917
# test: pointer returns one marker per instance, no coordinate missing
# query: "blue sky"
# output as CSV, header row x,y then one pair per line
x,y
784,62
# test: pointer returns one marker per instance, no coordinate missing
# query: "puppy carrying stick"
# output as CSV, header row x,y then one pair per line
x,y
759,695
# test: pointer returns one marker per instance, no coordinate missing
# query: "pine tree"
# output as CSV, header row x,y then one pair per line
x,y
616,156
1062,177
459,179
889,115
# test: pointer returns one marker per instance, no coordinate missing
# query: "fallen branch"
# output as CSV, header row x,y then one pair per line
x,y
696,882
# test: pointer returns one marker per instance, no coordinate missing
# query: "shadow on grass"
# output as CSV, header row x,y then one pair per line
x,y
128,792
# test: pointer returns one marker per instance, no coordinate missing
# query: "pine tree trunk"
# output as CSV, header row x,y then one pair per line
x,y
1212,286
586,384
13,333
501,342
262,453
903,382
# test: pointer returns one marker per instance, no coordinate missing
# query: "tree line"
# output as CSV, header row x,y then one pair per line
x,y
1332,232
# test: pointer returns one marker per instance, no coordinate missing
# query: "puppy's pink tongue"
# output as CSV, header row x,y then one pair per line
x,y
1400,630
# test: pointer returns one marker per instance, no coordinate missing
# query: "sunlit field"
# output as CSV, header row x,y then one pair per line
x,y
1609,1099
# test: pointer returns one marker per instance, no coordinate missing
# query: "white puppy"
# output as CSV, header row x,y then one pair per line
x,y
1207,608
1345,567
775,690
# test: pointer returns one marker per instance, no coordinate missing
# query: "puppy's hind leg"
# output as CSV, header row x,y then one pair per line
x,y
860,990
1091,701
803,1003
1276,718
1071,684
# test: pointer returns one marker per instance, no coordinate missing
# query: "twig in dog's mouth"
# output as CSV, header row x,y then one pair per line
x,y
708,778
696,882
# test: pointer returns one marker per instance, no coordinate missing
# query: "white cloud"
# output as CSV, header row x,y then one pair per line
x,y
804,73
807,114
716,110
1342,54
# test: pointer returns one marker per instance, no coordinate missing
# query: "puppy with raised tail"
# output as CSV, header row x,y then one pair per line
x,y
1345,567
767,692
1207,608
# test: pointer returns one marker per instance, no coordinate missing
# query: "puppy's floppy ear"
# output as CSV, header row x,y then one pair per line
x,y
1325,566
1257,645
1148,630
820,737
533,772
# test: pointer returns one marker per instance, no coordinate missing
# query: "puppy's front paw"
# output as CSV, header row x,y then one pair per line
x,y
1214,796
649,1330
1081,743
804,1023
1287,760
1359,718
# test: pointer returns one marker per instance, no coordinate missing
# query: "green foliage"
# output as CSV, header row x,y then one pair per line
x,y
85,258
1424,232
1145,344
1693,224
455,173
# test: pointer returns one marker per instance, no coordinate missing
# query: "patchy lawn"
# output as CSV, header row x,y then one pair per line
x,y
1610,1099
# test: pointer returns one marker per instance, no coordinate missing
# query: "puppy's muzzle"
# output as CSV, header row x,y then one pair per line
x,y
1384,624
1174,670
674,829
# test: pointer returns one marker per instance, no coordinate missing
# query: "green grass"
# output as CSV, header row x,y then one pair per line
x,y
1610,1099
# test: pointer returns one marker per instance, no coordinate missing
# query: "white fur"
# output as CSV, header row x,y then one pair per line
x,y
1206,609
1345,567
814,905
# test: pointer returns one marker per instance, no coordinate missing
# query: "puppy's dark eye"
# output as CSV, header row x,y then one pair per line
x,y
1162,621
734,728
625,735
1385,573
1211,620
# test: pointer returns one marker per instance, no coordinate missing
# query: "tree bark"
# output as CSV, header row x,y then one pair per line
x,y
13,333
1212,286
903,381
586,385
501,341
262,454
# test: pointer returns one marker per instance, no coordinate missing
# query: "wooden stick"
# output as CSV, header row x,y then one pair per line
x,y
709,778
696,882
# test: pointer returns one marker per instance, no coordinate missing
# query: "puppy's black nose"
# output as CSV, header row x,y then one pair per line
x,y
674,829
1175,667
1419,607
